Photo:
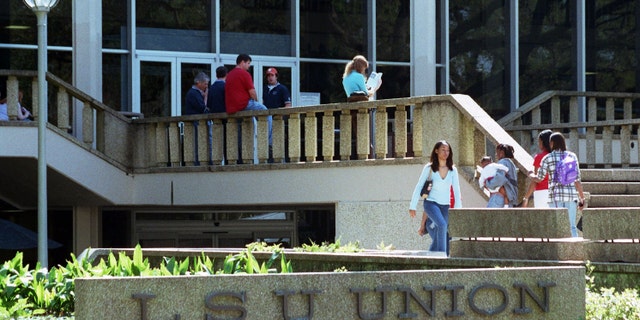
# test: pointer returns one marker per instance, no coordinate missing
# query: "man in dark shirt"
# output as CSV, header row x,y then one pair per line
x,y
216,103
275,94
194,100
195,103
215,99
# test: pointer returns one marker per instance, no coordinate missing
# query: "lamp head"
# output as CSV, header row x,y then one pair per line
x,y
40,5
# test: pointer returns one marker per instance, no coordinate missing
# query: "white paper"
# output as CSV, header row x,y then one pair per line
x,y
374,81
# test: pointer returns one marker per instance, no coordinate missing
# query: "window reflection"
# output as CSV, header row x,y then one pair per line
x,y
478,54
396,82
18,24
333,29
114,24
256,27
325,78
155,99
114,81
174,25
546,52
393,30
612,46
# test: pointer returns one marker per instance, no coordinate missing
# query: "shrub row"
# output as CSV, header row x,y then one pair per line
x,y
28,292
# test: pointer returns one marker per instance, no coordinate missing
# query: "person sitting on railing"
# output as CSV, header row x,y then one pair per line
x,y
23,113
353,80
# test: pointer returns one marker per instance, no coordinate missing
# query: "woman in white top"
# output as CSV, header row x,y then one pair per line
x,y
444,176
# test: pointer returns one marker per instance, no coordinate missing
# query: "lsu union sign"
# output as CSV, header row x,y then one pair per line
x,y
522,293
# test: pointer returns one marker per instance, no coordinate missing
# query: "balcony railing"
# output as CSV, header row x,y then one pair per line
x,y
394,129
601,127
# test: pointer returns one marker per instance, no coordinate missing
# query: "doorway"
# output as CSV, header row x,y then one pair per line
x,y
165,77
164,80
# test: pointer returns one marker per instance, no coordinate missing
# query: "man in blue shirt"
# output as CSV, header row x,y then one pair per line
x,y
195,103
274,95
216,103
194,100
215,99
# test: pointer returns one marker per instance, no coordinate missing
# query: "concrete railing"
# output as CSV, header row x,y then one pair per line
x,y
99,125
612,234
340,133
601,127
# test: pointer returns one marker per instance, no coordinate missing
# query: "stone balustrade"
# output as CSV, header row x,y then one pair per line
x,y
601,127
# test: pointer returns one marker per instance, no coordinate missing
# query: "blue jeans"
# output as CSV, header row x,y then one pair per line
x,y
439,214
572,207
496,200
255,105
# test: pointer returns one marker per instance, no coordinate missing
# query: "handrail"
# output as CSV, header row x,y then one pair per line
x,y
596,124
370,132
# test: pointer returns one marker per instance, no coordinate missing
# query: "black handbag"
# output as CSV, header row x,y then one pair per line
x,y
424,193
426,188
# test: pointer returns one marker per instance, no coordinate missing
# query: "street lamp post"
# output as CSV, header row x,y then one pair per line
x,y
41,8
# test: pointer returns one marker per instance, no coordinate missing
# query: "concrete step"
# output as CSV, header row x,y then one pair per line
x,y
613,188
613,200
608,175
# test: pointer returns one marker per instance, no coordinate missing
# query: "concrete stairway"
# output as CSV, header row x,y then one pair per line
x,y
612,188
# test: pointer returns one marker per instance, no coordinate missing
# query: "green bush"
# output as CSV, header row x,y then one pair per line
x,y
331,247
49,294
37,294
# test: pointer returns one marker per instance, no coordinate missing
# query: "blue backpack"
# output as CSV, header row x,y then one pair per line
x,y
566,170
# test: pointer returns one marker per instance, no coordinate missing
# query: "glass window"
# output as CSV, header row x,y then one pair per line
x,y
155,92
333,29
256,27
393,30
174,25
114,24
478,54
325,78
611,46
19,25
395,82
546,47
114,81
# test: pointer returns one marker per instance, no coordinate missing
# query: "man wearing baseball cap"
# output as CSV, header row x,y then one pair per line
x,y
275,95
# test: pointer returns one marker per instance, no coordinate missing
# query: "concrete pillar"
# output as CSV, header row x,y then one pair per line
x,y
87,58
86,228
423,48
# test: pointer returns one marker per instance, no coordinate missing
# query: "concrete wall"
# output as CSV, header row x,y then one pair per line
x,y
505,293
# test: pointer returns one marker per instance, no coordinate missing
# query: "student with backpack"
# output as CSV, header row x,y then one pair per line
x,y
565,189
